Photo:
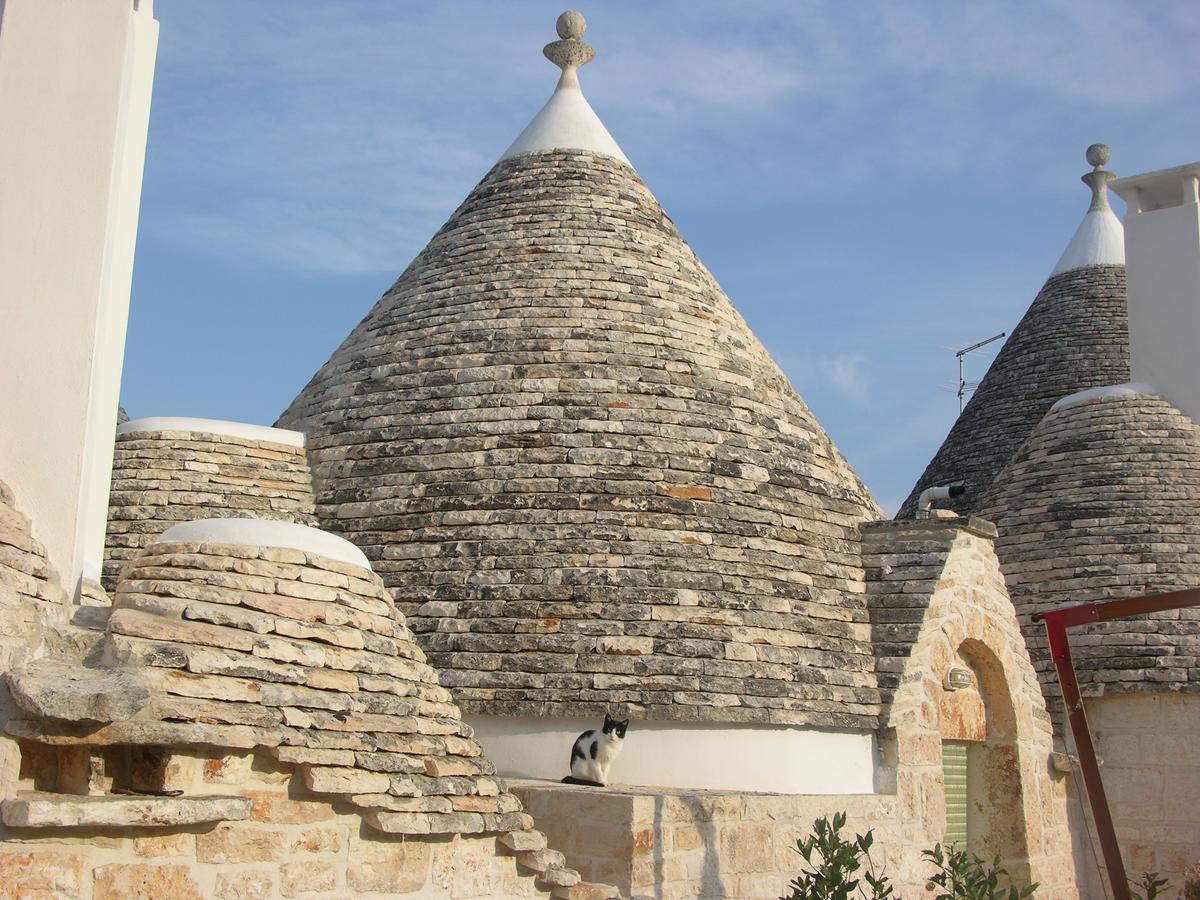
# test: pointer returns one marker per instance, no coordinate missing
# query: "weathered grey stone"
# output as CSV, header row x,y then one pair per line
x,y
59,690
62,811
162,478
1073,337
1102,502
555,481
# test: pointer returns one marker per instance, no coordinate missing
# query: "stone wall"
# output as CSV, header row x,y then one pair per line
x,y
30,592
31,598
256,722
289,843
682,844
1149,747
161,478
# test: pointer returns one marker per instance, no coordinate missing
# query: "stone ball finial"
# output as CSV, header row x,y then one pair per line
x,y
571,25
569,53
1097,155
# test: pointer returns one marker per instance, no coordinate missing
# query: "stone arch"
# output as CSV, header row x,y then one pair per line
x,y
996,801
968,621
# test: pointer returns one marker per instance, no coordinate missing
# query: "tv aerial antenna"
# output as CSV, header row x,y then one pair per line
x,y
963,386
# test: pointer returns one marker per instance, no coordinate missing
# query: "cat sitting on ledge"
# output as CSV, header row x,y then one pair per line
x,y
593,752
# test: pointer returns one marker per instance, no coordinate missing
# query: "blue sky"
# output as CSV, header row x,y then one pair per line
x,y
873,183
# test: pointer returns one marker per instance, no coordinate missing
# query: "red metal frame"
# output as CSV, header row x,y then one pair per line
x,y
1057,622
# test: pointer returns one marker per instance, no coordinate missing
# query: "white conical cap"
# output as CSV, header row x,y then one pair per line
x,y
567,121
1100,238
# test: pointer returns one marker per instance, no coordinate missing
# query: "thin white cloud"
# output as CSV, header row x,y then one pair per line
x,y
325,135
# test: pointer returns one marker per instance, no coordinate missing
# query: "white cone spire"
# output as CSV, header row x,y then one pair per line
x,y
1100,238
567,121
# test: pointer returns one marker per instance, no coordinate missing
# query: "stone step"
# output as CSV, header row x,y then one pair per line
x,y
585,890
542,860
559,876
522,841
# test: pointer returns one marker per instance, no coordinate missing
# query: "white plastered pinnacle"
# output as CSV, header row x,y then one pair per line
x,y
567,121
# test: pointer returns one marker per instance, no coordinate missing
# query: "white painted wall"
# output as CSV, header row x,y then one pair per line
x,y
75,81
1162,259
678,755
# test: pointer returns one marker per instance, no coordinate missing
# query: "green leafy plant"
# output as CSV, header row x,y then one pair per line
x,y
1150,886
835,868
964,876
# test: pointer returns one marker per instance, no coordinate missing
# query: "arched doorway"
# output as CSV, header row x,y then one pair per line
x,y
985,806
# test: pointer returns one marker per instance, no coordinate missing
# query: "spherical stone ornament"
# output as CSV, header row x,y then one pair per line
x,y
1097,154
571,25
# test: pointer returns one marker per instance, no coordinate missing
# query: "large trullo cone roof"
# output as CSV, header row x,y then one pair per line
x,y
1075,336
581,474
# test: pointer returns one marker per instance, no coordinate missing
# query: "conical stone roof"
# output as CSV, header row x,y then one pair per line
x,y
582,476
1075,336
1103,503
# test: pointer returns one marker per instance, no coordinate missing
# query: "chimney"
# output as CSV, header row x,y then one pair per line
x,y
1162,262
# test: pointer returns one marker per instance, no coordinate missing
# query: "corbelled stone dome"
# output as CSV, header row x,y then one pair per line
x,y
1103,503
1073,337
580,473
168,470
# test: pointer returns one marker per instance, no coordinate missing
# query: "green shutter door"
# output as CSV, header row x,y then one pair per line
x,y
954,772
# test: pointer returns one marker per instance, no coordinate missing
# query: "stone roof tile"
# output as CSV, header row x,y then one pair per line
x,y
582,476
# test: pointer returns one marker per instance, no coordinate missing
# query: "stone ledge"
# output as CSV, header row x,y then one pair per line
x,y
41,810
59,690
932,528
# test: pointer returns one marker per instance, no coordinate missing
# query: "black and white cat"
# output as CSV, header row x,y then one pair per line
x,y
593,752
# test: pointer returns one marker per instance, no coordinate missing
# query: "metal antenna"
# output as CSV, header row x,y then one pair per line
x,y
962,378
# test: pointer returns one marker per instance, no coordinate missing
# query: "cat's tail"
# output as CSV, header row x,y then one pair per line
x,y
571,779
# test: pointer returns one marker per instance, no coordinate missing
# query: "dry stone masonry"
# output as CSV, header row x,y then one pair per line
x,y
1103,503
30,591
583,477
1075,336
233,659
161,478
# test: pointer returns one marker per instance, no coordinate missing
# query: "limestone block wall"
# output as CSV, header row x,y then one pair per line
x,y
1149,747
169,471
289,843
684,844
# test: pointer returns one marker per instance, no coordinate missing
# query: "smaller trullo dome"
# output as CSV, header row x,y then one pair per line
x,y
273,635
1103,503
168,470
1073,337
578,470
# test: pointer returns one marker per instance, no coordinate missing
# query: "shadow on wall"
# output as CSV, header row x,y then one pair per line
x,y
700,817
